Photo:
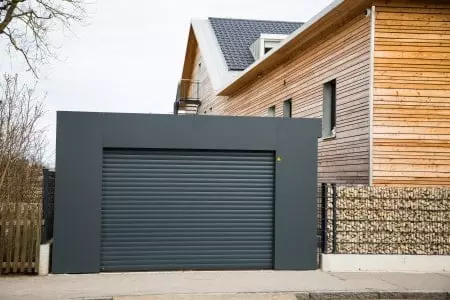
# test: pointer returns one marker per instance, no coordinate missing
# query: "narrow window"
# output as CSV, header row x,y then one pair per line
x,y
271,111
329,109
287,108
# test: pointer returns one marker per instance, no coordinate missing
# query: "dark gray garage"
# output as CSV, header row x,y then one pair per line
x,y
139,192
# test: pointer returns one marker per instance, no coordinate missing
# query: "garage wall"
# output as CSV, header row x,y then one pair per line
x,y
82,137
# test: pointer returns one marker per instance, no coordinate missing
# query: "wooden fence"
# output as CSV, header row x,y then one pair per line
x,y
20,235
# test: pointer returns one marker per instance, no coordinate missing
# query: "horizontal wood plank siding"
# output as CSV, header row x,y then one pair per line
x,y
344,56
207,92
411,141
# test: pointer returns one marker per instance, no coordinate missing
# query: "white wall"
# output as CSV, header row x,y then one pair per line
x,y
385,263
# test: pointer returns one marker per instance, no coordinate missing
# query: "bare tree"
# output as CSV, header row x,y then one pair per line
x,y
21,137
26,24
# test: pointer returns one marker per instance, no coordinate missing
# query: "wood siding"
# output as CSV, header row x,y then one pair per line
x,y
411,133
344,56
207,94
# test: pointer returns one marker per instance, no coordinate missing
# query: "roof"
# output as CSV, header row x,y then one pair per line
x,y
201,36
328,20
235,36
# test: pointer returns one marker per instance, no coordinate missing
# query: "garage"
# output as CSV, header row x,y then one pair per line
x,y
172,209
141,192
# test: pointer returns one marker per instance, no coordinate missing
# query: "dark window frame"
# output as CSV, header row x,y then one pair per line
x,y
333,105
329,109
271,111
287,108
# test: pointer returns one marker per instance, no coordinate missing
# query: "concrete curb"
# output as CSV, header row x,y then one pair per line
x,y
385,263
306,296
372,295
44,259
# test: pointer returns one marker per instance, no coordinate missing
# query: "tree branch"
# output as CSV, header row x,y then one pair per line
x,y
21,140
32,14
24,54
27,25
9,15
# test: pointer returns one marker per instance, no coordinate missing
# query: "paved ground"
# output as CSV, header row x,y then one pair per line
x,y
94,286
242,296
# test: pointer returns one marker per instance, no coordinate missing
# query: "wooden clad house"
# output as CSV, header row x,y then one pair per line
x,y
376,72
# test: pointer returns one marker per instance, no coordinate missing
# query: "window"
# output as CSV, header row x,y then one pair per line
x,y
329,109
287,108
271,111
264,43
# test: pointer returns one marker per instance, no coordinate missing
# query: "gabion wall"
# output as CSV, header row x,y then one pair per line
x,y
388,220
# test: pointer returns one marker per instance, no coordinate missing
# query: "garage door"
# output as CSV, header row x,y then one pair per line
x,y
171,210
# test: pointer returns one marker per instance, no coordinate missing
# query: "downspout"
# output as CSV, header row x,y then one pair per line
x,y
371,90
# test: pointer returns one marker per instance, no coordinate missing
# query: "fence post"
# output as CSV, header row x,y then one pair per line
x,y
333,186
324,213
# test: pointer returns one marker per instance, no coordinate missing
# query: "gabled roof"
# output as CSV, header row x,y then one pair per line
x,y
235,36
201,36
225,45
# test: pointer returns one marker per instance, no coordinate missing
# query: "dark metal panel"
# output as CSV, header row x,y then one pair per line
x,y
190,132
76,244
175,209
295,198
81,137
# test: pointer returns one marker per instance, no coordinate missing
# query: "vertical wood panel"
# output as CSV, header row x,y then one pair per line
x,y
29,246
15,260
371,90
2,235
10,229
37,236
23,243
412,93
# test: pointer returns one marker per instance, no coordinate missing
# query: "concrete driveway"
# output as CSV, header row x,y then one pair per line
x,y
107,285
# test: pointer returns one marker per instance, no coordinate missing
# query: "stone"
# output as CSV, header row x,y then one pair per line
x,y
390,220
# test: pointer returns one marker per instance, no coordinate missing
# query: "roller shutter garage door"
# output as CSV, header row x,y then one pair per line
x,y
187,210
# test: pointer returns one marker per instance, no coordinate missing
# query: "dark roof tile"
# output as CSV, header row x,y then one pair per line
x,y
235,36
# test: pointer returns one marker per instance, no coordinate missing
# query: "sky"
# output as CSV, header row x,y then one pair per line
x,y
129,55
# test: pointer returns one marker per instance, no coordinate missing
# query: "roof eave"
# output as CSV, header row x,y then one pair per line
x,y
339,9
187,65
216,66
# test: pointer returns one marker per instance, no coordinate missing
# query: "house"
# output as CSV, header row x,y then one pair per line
x,y
219,50
376,72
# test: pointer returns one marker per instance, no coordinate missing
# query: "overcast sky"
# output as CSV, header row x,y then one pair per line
x,y
129,58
